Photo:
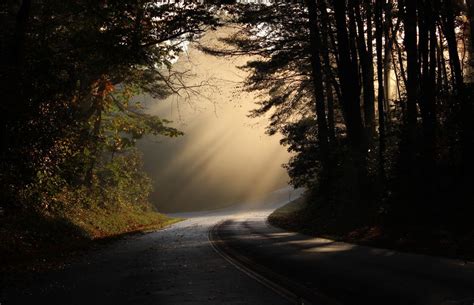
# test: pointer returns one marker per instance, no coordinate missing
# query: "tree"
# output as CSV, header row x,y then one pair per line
x,y
318,87
316,60
348,75
366,58
380,4
69,72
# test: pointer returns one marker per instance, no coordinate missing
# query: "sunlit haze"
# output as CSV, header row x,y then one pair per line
x,y
225,157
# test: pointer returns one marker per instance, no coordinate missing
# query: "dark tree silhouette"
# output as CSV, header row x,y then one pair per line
x,y
400,167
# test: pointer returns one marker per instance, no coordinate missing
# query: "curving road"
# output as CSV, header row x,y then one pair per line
x,y
177,265
328,272
234,256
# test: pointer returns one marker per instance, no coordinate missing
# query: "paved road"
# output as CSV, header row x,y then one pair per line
x,y
347,274
174,266
178,265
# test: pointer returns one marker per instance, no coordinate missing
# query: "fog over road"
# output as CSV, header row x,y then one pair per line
x,y
173,266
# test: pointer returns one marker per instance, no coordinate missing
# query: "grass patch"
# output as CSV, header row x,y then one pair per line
x,y
300,216
98,223
288,215
33,241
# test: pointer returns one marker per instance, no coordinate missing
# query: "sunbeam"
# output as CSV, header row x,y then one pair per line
x,y
224,157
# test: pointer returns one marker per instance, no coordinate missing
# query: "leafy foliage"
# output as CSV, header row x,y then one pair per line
x,y
69,72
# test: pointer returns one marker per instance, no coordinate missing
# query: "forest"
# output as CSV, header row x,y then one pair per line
x,y
69,123
373,99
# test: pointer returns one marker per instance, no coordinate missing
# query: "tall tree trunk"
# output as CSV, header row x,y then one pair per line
x,y
380,79
390,33
403,73
316,67
464,99
450,34
428,41
432,76
353,46
410,20
348,76
328,42
331,84
387,70
424,62
15,91
408,145
397,76
444,70
330,104
367,67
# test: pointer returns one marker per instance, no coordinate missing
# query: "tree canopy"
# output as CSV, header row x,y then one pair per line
x,y
69,72
373,97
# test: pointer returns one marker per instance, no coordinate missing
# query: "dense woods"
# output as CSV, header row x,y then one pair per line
x,y
374,98
69,122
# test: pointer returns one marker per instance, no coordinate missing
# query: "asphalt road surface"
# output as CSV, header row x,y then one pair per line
x,y
177,265
234,256
327,272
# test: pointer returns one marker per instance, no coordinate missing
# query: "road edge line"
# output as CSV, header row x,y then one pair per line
x,y
265,281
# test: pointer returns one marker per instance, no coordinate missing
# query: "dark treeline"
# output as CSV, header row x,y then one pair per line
x,y
68,120
374,99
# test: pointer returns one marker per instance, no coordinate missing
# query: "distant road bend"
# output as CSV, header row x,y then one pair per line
x,y
234,256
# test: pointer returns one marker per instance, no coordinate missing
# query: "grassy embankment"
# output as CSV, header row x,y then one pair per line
x,y
32,240
303,217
